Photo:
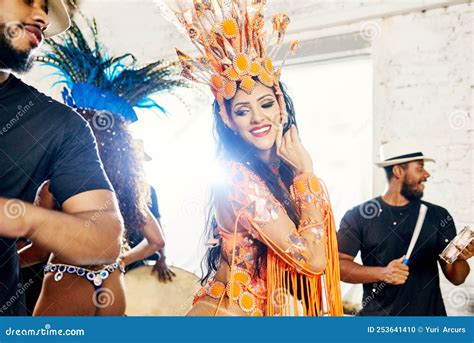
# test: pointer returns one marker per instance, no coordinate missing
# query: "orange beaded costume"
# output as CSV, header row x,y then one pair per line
x,y
245,207
230,36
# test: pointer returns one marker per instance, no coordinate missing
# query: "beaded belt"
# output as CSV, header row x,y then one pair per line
x,y
238,292
96,277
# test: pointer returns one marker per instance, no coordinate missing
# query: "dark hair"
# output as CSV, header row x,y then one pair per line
x,y
231,146
123,164
389,170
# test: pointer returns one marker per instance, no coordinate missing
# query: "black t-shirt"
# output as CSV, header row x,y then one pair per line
x,y
40,139
382,233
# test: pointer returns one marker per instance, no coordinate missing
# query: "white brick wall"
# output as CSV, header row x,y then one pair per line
x,y
423,88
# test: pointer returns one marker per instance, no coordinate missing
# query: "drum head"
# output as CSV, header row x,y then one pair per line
x,y
146,296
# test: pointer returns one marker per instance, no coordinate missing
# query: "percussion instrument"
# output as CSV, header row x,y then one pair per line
x,y
147,296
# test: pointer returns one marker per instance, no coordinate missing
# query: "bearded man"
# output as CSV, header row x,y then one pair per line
x,y
382,229
42,140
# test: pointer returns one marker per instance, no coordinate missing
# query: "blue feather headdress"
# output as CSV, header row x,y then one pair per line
x,y
94,80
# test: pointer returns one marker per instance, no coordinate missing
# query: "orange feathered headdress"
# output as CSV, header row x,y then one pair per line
x,y
233,48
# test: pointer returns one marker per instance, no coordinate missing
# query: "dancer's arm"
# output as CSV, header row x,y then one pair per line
x,y
254,209
152,242
162,269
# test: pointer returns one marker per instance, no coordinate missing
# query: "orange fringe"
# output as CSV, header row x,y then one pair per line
x,y
321,294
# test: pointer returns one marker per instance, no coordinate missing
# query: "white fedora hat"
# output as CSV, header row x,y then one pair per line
x,y
58,18
400,151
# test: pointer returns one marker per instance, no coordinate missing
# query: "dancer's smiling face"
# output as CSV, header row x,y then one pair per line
x,y
22,26
256,116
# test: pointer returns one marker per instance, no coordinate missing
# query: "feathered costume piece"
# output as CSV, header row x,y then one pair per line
x,y
234,51
95,80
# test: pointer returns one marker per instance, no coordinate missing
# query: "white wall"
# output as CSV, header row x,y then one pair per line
x,y
336,133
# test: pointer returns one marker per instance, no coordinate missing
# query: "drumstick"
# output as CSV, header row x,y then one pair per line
x,y
416,233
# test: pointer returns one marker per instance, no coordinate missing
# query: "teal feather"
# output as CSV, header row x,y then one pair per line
x,y
78,61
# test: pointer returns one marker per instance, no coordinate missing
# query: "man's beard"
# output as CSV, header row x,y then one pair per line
x,y
11,58
410,191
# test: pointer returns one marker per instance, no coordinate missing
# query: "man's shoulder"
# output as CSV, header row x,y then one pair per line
x,y
435,208
52,108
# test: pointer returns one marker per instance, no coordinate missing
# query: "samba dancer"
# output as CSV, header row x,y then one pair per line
x,y
272,222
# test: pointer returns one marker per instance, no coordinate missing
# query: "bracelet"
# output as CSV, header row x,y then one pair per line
x,y
297,248
316,229
305,187
309,222
307,191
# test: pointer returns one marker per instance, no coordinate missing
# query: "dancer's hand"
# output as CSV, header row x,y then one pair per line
x,y
165,274
291,150
13,218
395,273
